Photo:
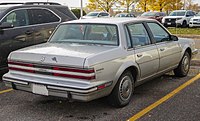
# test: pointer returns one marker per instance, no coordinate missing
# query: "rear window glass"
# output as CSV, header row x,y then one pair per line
x,y
86,34
40,16
67,12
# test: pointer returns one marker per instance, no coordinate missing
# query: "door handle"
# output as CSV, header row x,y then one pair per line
x,y
162,49
28,32
139,55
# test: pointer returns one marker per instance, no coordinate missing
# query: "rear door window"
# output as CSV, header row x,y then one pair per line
x,y
41,16
138,35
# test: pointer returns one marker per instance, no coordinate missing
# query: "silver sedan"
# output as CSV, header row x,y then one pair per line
x,y
92,58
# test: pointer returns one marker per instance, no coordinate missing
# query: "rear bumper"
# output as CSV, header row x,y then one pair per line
x,y
85,93
173,24
194,24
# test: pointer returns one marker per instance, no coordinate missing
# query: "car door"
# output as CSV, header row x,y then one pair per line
x,y
16,37
169,51
145,52
44,22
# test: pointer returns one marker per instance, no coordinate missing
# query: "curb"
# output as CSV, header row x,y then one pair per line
x,y
195,62
189,36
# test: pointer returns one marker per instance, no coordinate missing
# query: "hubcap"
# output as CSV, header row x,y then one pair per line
x,y
125,88
186,63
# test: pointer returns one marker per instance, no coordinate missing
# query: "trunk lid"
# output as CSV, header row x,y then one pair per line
x,y
72,55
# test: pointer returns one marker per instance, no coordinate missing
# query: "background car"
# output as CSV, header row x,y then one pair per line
x,y
125,15
25,24
96,15
178,18
195,21
153,15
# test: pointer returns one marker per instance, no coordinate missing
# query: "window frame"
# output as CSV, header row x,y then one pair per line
x,y
29,8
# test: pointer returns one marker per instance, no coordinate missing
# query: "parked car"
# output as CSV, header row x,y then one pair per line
x,y
153,15
125,15
25,24
91,58
195,21
96,15
178,18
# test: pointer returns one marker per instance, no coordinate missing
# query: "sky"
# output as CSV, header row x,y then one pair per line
x,y
70,3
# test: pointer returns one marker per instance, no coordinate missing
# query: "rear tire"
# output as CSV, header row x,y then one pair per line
x,y
184,66
122,91
184,25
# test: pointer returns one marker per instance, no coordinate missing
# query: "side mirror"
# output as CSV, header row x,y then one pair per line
x,y
6,25
187,15
174,38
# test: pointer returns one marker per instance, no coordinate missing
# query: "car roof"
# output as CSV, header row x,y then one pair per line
x,y
28,4
97,12
181,10
110,20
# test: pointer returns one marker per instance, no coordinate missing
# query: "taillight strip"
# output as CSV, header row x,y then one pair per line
x,y
53,67
56,71
49,70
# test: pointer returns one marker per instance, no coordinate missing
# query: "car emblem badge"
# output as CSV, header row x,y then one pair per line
x,y
169,19
54,59
42,59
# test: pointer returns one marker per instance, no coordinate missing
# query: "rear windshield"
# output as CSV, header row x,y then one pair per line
x,y
103,34
177,13
92,14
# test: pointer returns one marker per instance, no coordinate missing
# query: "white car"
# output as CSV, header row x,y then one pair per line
x,y
96,15
91,58
195,21
178,18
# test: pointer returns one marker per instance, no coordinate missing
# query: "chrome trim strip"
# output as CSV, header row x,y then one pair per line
x,y
195,51
72,90
15,81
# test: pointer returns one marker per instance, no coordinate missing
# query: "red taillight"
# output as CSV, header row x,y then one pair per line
x,y
74,70
101,87
87,74
75,76
19,69
20,64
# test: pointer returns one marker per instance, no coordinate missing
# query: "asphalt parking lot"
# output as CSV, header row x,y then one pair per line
x,y
183,106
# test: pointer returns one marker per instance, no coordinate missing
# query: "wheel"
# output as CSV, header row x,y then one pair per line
x,y
184,66
122,91
184,24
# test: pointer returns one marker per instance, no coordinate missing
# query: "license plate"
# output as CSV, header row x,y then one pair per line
x,y
168,23
39,89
